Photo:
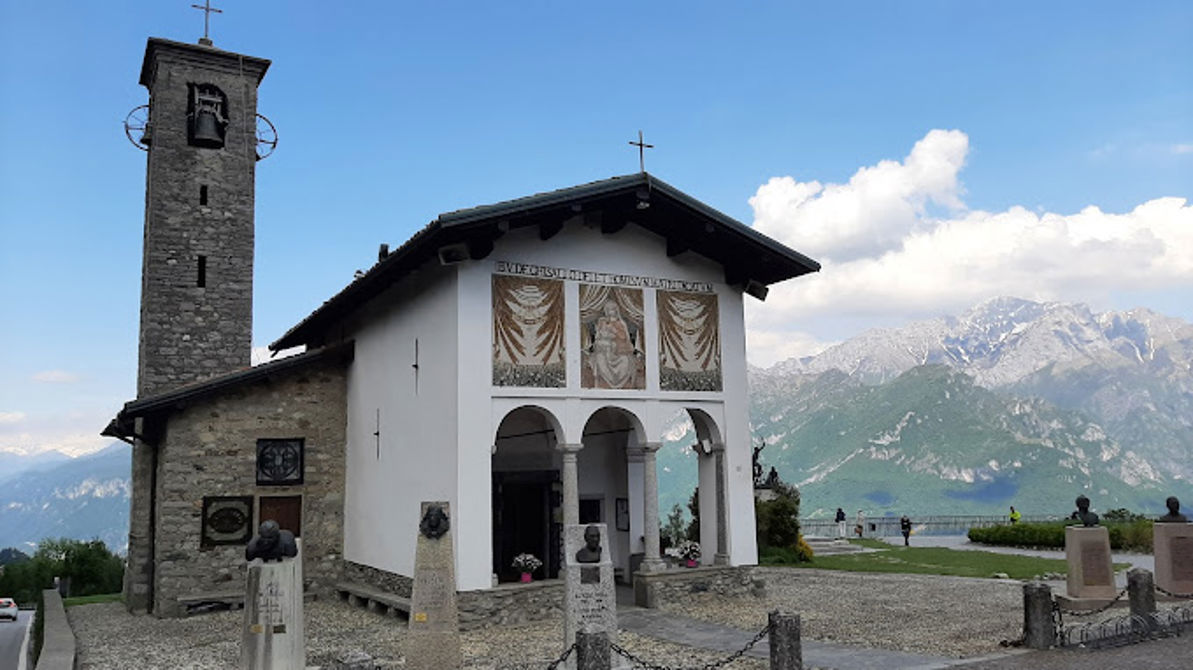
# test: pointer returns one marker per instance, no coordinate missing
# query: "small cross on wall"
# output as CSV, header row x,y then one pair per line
x,y
207,10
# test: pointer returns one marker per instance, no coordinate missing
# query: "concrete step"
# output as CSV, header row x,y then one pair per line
x,y
374,600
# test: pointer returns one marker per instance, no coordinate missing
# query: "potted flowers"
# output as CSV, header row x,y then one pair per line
x,y
690,552
526,564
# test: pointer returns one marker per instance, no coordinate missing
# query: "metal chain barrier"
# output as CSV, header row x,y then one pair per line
x,y
1096,610
1181,596
562,657
647,665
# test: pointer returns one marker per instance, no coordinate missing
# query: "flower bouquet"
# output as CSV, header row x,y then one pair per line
x,y
526,564
689,551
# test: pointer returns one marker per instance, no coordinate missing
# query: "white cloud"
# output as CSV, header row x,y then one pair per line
x,y
1182,148
11,417
55,377
68,441
916,265
767,347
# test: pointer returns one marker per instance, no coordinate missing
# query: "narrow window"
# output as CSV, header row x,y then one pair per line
x,y
201,281
203,195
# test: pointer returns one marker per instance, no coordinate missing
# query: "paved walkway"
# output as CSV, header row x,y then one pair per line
x,y
701,634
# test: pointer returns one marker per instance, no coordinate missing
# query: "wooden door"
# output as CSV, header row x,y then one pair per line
x,y
286,510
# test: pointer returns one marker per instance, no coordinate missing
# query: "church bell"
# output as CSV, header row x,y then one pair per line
x,y
206,132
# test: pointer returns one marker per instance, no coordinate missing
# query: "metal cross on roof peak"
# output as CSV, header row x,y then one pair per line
x,y
641,155
207,9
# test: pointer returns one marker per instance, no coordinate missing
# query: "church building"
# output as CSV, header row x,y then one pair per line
x,y
518,360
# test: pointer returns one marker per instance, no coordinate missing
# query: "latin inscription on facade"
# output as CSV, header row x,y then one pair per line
x,y
545,272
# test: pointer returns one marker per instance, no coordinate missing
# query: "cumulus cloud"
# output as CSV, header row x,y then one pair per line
x,y
11,417
883,255
55,377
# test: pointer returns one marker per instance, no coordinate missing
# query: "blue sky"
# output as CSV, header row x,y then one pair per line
x,y
859,133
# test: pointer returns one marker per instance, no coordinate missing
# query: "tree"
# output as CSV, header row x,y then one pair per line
x,y
778,519
693,532
673,530
91,568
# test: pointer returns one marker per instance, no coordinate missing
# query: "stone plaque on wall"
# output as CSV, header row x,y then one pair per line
x,y
611,347
1173,548
226,520
689,341
528,341
280,462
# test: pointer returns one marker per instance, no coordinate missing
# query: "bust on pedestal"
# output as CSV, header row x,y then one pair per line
x,y
1172,545
273,636
590,603
1087,550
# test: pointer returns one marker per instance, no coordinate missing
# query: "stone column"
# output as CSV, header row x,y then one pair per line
x,y
1141,591
652,562
138,575
1039,632
722,555
592,651
785,650
571,483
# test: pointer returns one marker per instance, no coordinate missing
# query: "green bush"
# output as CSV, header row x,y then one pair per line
x,y
777,520
90,567
1133,535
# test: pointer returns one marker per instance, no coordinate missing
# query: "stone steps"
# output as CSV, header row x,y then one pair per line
x,y
375,600
829,546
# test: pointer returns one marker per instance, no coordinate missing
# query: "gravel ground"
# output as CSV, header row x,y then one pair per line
x,y
933,615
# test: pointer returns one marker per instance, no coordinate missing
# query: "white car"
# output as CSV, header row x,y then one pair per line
x,y
8,609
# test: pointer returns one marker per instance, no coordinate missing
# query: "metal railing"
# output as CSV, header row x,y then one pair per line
x,y
888,526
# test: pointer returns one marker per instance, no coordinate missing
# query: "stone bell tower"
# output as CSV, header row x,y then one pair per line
x,y
197,269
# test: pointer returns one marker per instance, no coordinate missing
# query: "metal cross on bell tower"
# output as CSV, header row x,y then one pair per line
x,y
207,10
641,155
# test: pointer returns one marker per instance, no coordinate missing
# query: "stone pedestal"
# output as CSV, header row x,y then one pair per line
x,y
273,637
1091,574
1172,545
433,642
590,602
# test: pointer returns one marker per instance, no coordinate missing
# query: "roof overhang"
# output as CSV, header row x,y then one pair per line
x,y
750,259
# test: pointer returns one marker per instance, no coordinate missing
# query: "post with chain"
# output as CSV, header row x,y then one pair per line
x,y
592,651
1141,590
785,650
1039,631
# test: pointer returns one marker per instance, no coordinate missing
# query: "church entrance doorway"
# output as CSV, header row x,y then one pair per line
x,y
527,493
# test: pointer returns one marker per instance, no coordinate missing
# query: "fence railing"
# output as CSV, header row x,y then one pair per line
x,y
888,526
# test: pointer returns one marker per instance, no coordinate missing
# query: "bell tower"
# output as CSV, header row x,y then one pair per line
x,y
197,268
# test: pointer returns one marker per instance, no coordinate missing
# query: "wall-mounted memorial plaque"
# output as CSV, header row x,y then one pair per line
x,y
226,520
279,462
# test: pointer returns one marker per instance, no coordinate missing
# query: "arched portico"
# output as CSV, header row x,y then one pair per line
x,y
610,443
527,491
714,522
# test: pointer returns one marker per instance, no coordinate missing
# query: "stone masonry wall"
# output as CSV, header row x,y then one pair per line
x,y
210,449
190,332
676,586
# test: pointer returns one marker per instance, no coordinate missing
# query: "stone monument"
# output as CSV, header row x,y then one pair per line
x,y
1087,550
433,642
1172,545
590,601
273,637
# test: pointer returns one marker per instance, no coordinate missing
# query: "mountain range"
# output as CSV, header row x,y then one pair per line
x,y
1014,402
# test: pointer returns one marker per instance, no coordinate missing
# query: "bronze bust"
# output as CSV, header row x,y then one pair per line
x,y
1088,518
591,551
1174,512
434,523
271,543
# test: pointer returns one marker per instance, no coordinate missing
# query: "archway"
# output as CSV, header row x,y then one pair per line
x,y
689,462
527,492
612,439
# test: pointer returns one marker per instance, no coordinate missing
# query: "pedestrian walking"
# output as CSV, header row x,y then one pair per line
x,y
840,523
860,524
905,527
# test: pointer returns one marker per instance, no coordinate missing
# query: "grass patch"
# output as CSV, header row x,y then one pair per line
x,y
936,561
88,600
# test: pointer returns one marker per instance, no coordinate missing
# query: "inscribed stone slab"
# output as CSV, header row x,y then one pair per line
x,y
590,601
1173,547
433,642
273,637
1087,551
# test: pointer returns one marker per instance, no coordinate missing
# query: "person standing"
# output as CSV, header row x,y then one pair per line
x,y
840,523
860,524
1015,515
905,527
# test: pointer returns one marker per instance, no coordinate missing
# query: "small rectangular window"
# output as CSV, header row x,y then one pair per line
x,y
201,280
203,195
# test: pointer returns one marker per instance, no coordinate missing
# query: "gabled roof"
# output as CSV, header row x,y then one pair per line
x,y
749,257
122,427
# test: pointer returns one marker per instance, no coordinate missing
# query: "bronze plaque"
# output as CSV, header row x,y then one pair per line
x,y
590,575
1095,565
1181,554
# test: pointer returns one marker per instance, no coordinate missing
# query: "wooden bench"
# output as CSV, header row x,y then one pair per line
x,y
374,599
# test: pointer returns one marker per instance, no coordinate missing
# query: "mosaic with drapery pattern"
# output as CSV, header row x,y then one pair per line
x,y
528,327
611,346
689,342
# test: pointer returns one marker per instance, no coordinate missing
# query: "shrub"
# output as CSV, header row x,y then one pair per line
x,y
1133,535
803,551
778,519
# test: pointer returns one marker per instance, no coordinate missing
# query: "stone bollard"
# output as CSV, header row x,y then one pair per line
x,y
1141,590
1039,631
785,651
592,651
